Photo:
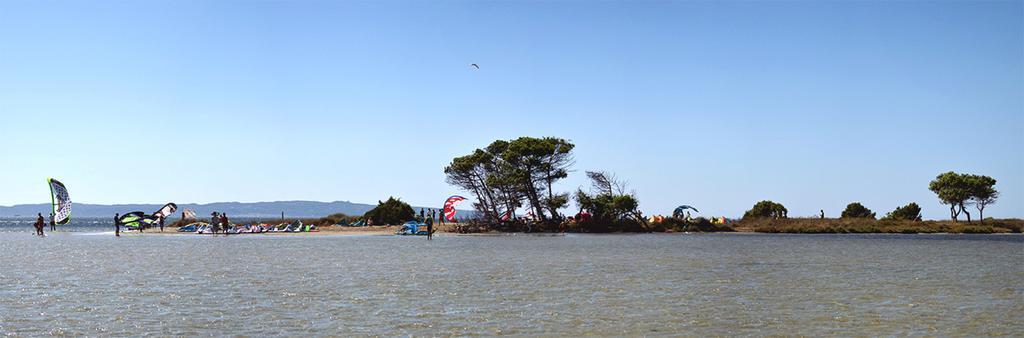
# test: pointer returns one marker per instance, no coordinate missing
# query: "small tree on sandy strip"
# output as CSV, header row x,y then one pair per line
x,y
952,189
909,212
983,193
392,211
767,209
857,210
607,202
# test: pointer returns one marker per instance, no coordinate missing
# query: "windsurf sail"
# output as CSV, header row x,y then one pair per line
x,y
60,200
168,210
449,207
188,214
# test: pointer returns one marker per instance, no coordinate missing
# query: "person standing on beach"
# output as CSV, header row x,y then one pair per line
x,y
224,222
53,225
440,217
421,214
161,223
430,228
117,224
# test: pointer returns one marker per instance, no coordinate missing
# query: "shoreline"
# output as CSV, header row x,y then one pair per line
x,y
383,232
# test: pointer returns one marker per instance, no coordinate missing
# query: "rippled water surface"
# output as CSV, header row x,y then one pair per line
x,y
81,283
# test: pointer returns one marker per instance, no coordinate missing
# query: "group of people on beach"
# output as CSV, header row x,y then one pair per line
x,y
117,225
428,218
40,224
219,222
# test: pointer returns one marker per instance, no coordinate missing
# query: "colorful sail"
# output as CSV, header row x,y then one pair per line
x,y
131,218
61,201
165,212
188,214
449,207
680,212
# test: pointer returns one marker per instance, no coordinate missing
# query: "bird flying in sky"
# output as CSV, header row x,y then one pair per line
x,y
474,66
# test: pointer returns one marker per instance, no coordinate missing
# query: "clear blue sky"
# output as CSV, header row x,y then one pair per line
x,y
712,104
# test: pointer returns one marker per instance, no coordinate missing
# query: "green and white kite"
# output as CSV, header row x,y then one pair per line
x,y
60,200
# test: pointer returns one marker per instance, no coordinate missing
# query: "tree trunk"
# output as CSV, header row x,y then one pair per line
x,y
964,210
489,203
981,213
952,212
551,197
531,193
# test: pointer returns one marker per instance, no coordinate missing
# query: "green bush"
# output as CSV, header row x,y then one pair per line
x,y
767,209
909,212
392,211
856,210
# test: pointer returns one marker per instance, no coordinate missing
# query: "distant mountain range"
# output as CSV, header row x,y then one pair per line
x,y
233,209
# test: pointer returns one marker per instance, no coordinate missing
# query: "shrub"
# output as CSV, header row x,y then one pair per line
x,y
392,211
856,210
766,209
909,212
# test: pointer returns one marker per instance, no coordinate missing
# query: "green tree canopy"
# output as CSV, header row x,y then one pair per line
x,y
857,210
952,189
767,209
392,211
983,193
909,212
507,175
960,190
610,207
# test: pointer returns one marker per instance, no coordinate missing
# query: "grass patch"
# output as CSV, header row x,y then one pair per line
x,y
867,225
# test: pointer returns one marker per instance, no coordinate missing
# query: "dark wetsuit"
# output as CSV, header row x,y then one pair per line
x,y
40,224
430,228
117,225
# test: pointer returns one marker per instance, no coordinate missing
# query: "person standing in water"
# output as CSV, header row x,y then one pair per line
x,y
117,224
39,224
53,225
214,223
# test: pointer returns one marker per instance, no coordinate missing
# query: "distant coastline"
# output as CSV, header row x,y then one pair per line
x,y
303,209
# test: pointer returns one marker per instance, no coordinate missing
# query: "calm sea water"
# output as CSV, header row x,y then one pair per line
x,y
88,283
